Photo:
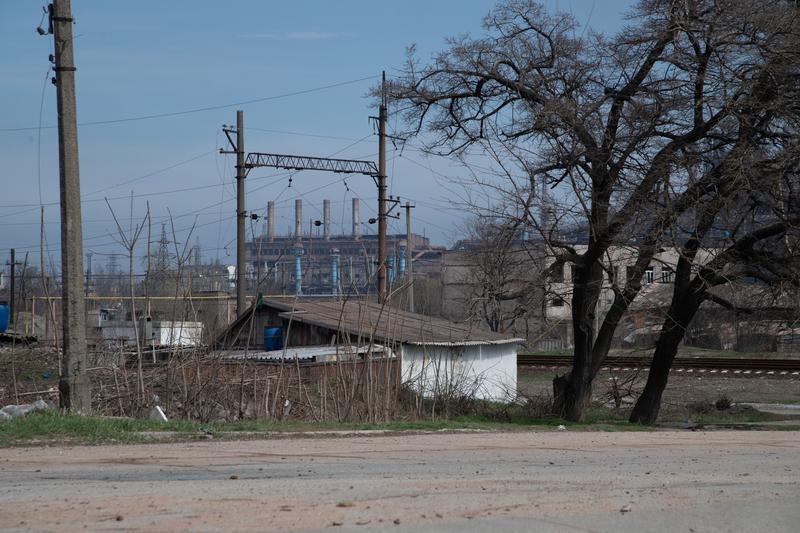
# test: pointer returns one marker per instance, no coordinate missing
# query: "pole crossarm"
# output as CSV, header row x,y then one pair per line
x,y
298,162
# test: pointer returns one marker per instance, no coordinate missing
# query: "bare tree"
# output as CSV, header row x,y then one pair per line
x,y
503,291
758,246
128,240
606,123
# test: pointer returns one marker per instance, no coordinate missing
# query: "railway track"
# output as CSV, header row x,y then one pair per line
x,y
722,365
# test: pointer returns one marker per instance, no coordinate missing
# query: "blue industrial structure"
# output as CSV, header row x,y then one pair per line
x,y
298,269
401,259
3,316
335,273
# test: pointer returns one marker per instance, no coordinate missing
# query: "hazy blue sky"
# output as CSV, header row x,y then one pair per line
x,y
154,57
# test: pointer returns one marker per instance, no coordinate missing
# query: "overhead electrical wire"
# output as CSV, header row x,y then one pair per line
x,y
84,197
195,226
202,109
39,136
303,134
150,174
221,202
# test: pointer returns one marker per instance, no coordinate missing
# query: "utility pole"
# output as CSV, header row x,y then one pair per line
x,y
409,257
73,385
241,214
342,166
382,193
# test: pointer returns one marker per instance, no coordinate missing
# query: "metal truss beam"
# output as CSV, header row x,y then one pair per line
x,y
298,162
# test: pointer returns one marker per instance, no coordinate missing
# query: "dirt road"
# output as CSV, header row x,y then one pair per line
x,y
540,481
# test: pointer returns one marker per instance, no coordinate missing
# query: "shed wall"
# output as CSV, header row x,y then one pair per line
x,y
487,371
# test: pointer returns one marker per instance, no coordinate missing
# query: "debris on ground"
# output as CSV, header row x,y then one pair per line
x,y
157,414
16,411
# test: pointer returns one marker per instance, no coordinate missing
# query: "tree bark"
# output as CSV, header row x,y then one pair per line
x,y
680,316
572,393
571,397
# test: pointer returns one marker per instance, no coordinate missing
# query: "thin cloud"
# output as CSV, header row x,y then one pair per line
x,y
297,35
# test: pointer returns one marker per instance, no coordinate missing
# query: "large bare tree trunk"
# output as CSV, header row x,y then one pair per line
x,y
572,393
672,332
571,396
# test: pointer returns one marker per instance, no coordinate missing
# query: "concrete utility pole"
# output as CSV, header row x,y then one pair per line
x,y
382,193
240,216
73,385
409,257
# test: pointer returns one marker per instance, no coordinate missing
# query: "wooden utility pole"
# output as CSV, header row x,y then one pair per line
x,y
409,257
382,193
73,384
240,216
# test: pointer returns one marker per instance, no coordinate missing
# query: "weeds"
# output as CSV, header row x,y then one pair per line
x,y
54,427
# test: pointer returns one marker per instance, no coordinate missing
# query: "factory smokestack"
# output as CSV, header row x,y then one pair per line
x,y
356,228
271,221
326,218
298,219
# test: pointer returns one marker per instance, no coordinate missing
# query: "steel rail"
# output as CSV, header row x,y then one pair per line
x,y
708,363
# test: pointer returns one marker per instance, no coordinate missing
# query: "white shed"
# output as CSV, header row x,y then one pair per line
x,y
484,369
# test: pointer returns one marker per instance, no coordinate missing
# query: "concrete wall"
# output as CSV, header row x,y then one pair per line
x,y
179,333
182,333
463,292
488,372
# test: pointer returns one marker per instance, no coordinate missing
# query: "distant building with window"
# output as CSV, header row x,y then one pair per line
x,y
547,322
620,261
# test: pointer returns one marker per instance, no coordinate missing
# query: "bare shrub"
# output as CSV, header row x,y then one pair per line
x,y
723,403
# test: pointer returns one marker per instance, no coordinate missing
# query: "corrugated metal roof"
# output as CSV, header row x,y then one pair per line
x,y
384,324
306,353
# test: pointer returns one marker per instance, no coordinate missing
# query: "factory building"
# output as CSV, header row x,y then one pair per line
x,y
313,261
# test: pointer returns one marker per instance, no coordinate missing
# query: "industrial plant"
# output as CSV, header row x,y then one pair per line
x,y
310,262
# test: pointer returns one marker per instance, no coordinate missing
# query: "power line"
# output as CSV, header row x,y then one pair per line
x,y
39,135
273,179
85,199
154,173
201,109
314,135
137,195
131,180
200,209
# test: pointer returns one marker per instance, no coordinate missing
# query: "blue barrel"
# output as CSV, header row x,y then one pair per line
x,y
273,339
3,316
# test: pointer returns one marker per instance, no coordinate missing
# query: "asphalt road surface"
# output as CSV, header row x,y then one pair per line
x,y
496,482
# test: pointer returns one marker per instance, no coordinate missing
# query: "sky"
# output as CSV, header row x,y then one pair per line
x,y
300,71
